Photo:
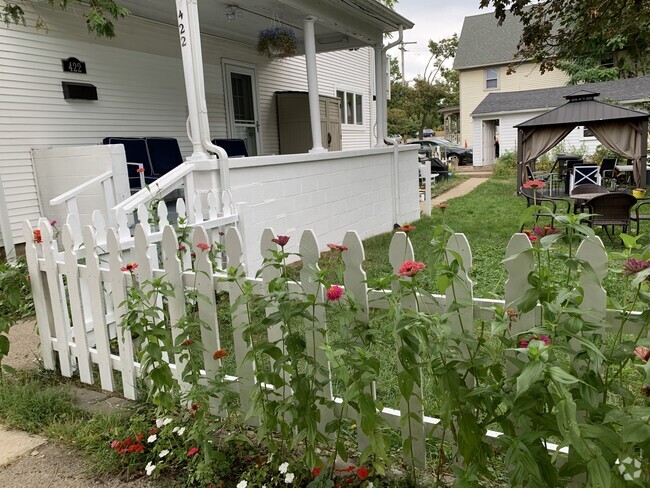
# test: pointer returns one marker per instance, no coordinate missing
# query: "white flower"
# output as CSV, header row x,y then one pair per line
x,y
370,485
167,421
175,429
180,431
152,438
163,421
283,468
289,478
163,453
149,469
242,484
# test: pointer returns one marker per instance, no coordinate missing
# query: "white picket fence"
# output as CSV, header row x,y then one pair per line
x,y
78,292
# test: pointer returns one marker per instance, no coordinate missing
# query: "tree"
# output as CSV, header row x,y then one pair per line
x,y
562,33
98,14
395,72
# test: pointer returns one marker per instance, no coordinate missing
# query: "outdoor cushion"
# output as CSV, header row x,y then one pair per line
x,y
136,151
233,147
164,154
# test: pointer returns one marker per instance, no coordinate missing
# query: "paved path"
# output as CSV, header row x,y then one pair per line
x,y
458,191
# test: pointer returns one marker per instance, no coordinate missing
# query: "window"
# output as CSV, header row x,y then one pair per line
x,y
351,107
491,79
587,133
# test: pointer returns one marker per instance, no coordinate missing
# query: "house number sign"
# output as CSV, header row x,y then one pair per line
x,y
73,65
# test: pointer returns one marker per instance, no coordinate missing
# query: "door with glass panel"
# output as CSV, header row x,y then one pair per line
x,y
241,100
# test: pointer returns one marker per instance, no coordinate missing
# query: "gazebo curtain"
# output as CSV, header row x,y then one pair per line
x,y
624,138
537,141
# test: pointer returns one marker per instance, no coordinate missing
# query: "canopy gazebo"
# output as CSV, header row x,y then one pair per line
x,y
619,129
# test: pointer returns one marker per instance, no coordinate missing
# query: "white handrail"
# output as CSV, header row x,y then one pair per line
x,y
69,195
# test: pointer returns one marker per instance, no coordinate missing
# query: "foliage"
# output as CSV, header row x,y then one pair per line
x,y
98,14
585,33
506,165
277,41
15,302
587,70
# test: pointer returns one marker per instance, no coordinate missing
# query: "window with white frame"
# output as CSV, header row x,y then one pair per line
x,y
587,132
491,78
351,107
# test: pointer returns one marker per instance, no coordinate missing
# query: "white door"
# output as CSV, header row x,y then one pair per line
x,y
489,138
241,100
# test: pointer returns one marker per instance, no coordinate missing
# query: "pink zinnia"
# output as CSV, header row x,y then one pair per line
x,y
524,343
633,266
411,268
203,246
547,230
534,184
334,293
643,353
192,451
140,169
129,267
336,247
281,240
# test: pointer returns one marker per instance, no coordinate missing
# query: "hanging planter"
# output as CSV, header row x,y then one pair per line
x,y
277,42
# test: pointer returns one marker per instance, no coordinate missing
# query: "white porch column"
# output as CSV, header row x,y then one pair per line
x,y
380,94
312,84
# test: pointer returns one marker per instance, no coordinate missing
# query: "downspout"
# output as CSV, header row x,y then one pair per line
x,y
382,125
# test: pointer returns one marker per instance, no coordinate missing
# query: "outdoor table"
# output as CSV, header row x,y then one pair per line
x,y
579,199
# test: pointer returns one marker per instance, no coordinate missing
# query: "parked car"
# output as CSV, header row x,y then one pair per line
x,y
426,133
397,138
458,155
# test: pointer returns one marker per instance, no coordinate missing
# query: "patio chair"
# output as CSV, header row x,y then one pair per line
x,y
233,147
550,177
136,153
542,199
638,216
607,167
583,174
583,189
164,154
611,209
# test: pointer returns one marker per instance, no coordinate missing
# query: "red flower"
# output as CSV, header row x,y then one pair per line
x,y
534,184
547,230
532,238
442,207
195,407
181,248
203,246
643,353
362,473
407,228
139,437
524,343
334,293
37,237
281,240
192,451
153,431
219,354
336,247
411,268
140,169
187,342
128,441
53,223
316,471
129,267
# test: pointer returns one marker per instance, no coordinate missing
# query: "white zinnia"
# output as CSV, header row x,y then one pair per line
x,y
242,484
152,438
163,453
181,430
289,478
149,469
283,468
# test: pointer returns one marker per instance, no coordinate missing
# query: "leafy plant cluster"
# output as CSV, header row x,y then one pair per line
x,y
279,41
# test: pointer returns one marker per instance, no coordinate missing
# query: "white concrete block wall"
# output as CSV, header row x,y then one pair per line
x,y
330,194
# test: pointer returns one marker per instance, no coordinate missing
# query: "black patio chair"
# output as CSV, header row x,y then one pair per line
x,y
638,216
583,189
611,209
607,167
541,198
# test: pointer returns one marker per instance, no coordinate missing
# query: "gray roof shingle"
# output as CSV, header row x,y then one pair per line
x,y
631,89
483,42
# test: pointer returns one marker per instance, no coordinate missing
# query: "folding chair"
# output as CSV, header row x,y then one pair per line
x,y
607,167
583,174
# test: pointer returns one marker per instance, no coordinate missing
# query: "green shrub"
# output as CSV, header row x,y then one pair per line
x,y
506,165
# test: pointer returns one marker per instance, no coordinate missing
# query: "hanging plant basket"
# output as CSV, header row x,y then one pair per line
x,y
277,42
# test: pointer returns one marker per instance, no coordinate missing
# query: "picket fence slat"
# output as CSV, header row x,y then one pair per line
x,y
594,299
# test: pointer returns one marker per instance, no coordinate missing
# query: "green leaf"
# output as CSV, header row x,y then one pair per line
x,y
561,376
636,431
4,345
532,373
600,474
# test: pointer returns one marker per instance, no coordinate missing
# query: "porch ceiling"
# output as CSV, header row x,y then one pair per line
x,y
341,24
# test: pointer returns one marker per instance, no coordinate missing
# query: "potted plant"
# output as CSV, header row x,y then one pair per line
x,y
277,41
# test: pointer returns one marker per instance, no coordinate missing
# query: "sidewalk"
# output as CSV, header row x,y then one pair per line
x,y
458,191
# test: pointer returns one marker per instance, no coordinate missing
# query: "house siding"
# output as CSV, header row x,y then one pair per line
x,y
472,90
141,91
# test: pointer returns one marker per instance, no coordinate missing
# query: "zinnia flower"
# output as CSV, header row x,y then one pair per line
x,y
242,484
181,248
140,169
53,223
203,246
288,479
150,467
362,472
442,207
187,342
37,237
633,266
406,228
534,184
129,267
524,343
281,240
334,293
219,354
410,268
512,314
547,230
192,451
152,438
643,353
316,471
283,468
336,247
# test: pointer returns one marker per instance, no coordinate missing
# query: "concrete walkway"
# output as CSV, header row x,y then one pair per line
x,y
458,191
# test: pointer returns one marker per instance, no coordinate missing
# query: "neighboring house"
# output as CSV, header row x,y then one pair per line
x,y
140,83
485,49
512,108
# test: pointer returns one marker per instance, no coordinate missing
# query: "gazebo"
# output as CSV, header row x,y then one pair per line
x,y
619,129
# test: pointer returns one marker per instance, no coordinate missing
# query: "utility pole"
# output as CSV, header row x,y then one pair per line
x,y
403,49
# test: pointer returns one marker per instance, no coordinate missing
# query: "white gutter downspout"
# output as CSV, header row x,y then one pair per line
x,y
382,111
312,86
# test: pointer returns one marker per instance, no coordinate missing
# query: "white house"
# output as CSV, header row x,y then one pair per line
x,y
140,86
511,108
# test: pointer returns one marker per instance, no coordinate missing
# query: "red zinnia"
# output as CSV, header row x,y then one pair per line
x,y
411,268
316,471
406,228
547,230
336,247
219,354
334,293
187,342
362,473
524,343
129,267
192,451
534,184
37,237
203,246
281,240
